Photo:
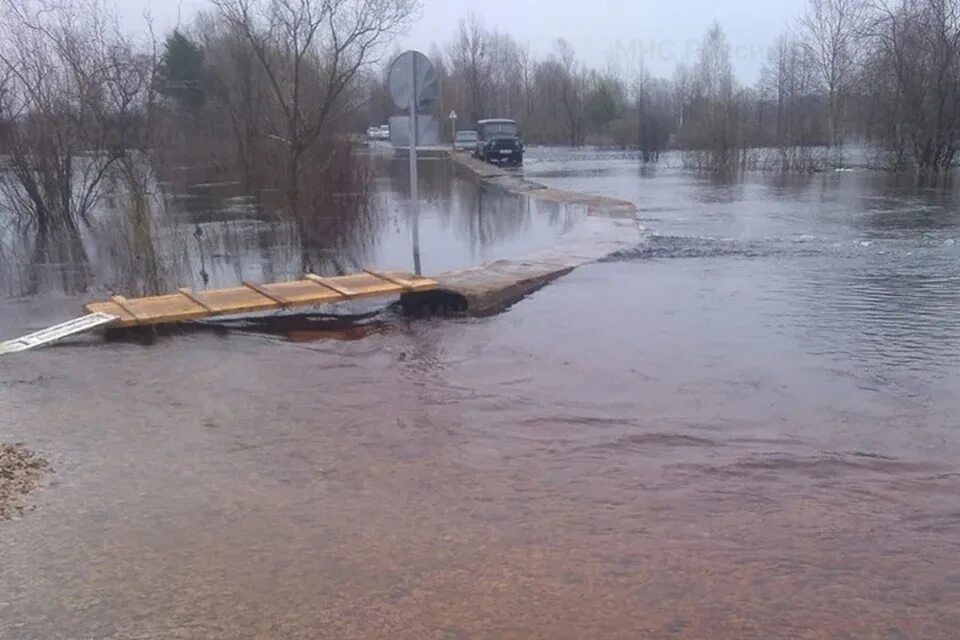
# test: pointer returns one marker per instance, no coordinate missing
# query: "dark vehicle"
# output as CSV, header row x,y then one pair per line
x,y
498,142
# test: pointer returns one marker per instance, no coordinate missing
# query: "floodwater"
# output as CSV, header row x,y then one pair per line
x,y
208,233
744,427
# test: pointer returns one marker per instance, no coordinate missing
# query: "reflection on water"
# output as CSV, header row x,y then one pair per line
x,y
465,222
746,427
211,234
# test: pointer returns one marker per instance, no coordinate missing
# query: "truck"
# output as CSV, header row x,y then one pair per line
x,y
499,142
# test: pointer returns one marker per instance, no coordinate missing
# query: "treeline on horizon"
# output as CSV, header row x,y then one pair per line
x,y
880,73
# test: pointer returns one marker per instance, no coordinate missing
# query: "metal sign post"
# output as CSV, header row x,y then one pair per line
x,y
413,87
414,177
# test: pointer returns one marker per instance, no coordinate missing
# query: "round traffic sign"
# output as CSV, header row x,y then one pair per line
x,y
413,75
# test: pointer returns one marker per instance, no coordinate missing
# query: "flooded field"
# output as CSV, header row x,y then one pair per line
x,y
743,427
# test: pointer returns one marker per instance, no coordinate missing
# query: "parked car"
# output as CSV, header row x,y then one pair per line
x,y
498,142
384,132
465,140
373,133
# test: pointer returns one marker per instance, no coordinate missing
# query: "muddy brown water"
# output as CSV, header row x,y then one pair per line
x,y
745,427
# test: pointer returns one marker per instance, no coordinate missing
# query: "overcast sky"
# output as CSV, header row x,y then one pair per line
x,y
663,31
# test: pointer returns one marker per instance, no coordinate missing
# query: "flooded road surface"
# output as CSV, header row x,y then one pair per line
x,y
745,427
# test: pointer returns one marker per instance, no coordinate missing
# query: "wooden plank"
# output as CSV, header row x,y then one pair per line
x,y
329,284
283,302
417,283
172,307
237,300
364,285
193,298
305,292
112,309
406,284
187,304
121,302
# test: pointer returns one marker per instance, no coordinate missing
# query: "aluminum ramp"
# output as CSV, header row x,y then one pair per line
x,y
58,332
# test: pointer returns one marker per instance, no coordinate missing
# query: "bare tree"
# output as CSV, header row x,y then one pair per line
x,y
506,76
568,87
829,31
311,51
918,42
470,58
238,96
77,94
6,89
527,65
712,127
682,92
788,83
443,102
654,102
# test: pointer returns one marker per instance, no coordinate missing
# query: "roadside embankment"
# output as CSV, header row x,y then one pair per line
x,y
515,183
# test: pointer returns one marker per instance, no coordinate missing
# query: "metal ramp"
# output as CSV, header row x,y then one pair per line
x,y
59,332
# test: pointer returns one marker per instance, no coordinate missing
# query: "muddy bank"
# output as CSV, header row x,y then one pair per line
x,y
21,471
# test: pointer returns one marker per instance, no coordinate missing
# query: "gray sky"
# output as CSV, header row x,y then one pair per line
x,y
663,31
164,13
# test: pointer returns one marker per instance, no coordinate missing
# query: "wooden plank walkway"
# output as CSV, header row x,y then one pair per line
x,y
253,297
